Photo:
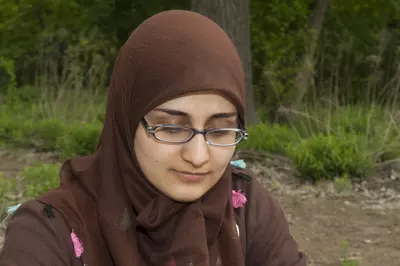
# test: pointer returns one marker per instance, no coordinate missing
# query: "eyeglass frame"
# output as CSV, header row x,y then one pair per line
x,y
151,129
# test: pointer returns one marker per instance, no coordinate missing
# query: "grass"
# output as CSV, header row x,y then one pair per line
x,y
30,183
346,261
8,187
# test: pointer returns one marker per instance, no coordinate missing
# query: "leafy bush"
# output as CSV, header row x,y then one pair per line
x,y
39,178
27,133
44,134
80,139
11,130
21,95
48,134
269,138
329,156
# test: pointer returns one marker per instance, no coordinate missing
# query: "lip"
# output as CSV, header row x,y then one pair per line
x,y
190,176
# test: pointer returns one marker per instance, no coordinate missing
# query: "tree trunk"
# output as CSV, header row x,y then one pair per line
x,y
234,17
304,77
121,15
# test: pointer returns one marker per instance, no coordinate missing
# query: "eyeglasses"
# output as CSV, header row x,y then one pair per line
x,y
175,134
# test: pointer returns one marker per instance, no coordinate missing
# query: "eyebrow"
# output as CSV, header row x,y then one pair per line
x,y
180,113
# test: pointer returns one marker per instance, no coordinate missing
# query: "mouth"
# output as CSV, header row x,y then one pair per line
x,y
191,173
190,176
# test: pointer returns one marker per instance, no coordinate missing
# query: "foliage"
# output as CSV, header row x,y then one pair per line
x,y
269,138
357,58
8,186
353,55
44,134
32,181
20,132
80,139
329,156
11,128
278,39
40,178
345,261
7,75
343,184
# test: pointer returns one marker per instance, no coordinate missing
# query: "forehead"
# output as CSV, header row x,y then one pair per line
x,y
204,104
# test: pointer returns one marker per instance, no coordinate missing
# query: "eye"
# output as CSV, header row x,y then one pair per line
x,y
223,136
172,130
219,133
173,133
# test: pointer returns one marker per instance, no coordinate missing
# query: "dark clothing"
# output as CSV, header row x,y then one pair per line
x,y
35,239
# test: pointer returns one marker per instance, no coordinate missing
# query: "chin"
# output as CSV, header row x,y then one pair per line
x,y
186,196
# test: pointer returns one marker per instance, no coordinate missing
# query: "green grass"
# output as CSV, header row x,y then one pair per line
x,y
8,188
30,183
345,260
39,178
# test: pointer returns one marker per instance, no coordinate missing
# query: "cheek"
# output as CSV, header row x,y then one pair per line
x,y
150,153
221,157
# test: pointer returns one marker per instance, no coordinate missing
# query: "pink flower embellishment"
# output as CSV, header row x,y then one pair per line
x,y
171,262
238,199
78,246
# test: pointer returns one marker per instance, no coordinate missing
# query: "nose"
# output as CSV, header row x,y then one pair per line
x,y
196,151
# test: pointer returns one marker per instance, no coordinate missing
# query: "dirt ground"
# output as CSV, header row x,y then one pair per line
x,y
323,216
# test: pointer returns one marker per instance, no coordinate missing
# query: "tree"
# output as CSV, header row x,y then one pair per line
x,y
304,76
287,111
122,13
234,17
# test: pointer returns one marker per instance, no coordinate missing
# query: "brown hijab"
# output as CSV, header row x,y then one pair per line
x,y
106,198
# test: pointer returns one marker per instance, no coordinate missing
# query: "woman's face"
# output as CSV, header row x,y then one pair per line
x,y
185,172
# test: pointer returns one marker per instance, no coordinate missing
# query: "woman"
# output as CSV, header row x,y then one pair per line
x,y
160,189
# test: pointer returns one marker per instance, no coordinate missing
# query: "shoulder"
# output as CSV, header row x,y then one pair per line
x,y
34,212
260,207
34,229
267,235
32,208
247,182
